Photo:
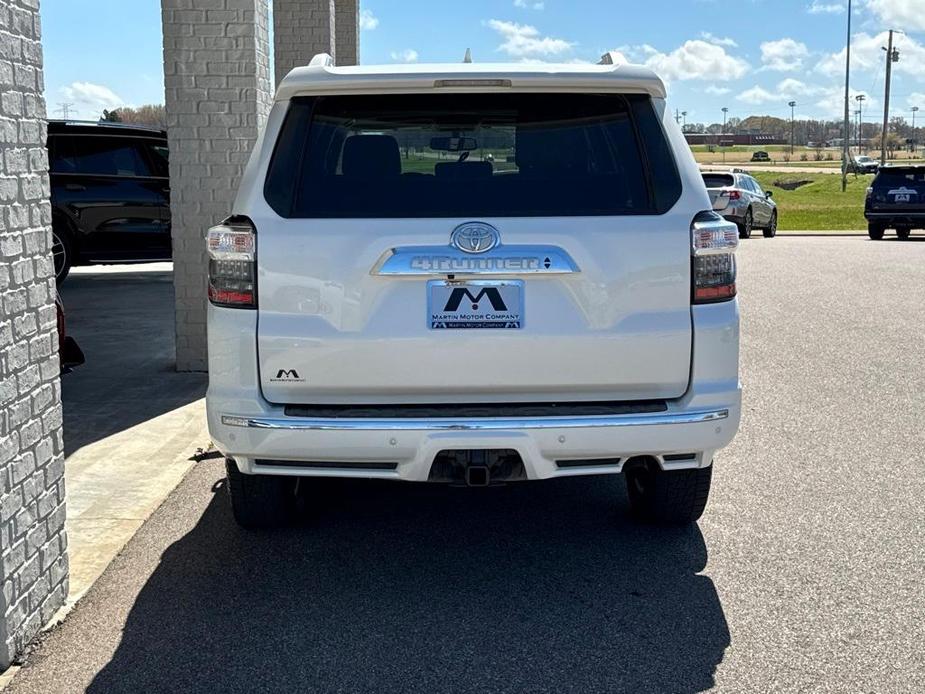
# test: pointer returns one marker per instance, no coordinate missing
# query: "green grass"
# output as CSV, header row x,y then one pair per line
x,y
819,205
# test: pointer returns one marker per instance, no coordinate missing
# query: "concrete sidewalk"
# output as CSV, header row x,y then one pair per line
x,y
132,424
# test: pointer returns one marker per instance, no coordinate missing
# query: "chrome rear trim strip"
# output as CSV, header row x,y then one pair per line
x,y
474,424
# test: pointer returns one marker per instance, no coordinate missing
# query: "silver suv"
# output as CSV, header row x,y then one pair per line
x,y
739,198
472,275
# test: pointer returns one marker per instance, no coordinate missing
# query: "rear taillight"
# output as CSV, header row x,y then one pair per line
x,y
732,194
232,263
713,264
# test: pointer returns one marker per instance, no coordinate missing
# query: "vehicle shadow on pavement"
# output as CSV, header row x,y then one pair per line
x,y
403,587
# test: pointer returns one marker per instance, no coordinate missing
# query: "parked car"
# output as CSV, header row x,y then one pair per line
x,y
863,165
69,353
739,198
761,156
451,319
110,194
896,200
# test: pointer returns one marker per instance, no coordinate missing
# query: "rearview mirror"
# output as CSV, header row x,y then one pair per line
x,y
768,194
453,144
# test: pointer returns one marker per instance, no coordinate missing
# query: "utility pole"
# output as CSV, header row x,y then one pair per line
x,y
792,104
64,108
861,98
677,116
844,155
915,109
684,116
892,56
725,112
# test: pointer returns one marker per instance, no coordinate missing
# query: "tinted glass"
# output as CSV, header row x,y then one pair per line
x,y
157,154
717,180
471,155
103,156
756,186
900,177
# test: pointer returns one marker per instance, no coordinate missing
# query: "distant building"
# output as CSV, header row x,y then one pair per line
x,y
730,139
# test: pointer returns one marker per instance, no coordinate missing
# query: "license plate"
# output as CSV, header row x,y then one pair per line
x,y
482,304
901,197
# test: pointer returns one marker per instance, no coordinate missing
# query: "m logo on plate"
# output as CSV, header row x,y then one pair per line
x,y
458,294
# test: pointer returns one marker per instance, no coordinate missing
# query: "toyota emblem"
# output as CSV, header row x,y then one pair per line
x,y
475,237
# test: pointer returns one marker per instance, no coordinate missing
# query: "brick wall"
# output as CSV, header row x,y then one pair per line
x,y
347,32
217,94
33,558
301,29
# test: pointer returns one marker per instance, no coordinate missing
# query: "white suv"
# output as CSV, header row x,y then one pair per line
x,y
472,274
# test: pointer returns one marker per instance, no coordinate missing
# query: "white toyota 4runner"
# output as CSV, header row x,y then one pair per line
x,y
472,274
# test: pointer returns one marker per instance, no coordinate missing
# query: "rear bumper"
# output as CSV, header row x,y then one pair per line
x,y
909,219
405,448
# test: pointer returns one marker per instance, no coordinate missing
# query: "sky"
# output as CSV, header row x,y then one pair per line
x,y
751,56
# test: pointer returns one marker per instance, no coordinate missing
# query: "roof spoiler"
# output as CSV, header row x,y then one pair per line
x,y
322,60
611,58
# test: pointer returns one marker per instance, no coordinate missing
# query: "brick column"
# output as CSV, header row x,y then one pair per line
x,y
347,34
301,29
217,94
33,558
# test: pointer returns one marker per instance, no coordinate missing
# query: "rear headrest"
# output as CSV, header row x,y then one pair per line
x,y
544,150
371,156
466,170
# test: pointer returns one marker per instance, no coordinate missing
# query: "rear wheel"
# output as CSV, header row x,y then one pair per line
x,y
260,501
745,228
875,231
903,234
771,230
61,252
668,497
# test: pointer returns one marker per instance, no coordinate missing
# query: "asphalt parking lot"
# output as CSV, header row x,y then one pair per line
x,y
806,573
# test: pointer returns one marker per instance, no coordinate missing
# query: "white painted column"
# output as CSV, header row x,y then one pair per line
x,y
33,544
217,94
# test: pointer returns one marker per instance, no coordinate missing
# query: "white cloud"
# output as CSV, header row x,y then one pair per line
x,y
368,21
724,41
832,102
867,56
917,99
791,88
696,60
757,95
819,7
899,14
784,55
525,41
717,91
92,98
409,55
524,4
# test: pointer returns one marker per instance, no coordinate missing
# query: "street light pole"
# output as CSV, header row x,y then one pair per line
x,y
915,109
792,104
726,111
844,162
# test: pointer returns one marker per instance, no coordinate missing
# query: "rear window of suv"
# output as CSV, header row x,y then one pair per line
x,y
900,176
481,155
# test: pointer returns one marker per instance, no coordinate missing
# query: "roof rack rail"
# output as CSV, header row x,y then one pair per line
x,y
107,124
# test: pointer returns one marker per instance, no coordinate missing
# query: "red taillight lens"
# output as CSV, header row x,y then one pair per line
x,y
733,194
232,264
713,265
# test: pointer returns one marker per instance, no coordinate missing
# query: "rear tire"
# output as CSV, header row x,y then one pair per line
x,y
667,497
260,501
745,228
62,253
903,234
875,231
771,231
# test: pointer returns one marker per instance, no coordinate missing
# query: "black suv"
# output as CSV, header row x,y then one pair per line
x,y
110,194
896,200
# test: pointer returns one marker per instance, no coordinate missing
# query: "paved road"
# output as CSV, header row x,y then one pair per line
x,y
804,575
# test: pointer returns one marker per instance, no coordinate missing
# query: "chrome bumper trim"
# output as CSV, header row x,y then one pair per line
x,y
473,424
